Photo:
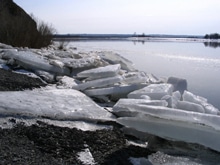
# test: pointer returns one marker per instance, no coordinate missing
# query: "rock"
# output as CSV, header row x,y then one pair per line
x,y
179,84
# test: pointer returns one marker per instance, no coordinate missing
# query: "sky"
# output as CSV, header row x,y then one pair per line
x,y
181,17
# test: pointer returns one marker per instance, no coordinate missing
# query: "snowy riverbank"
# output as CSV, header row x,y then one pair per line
x,y
83,89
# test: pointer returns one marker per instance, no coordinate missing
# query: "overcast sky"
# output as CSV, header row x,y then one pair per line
x,y
193,17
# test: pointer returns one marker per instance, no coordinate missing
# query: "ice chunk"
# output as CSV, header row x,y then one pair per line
x,y
175,114
169,100
145,97
123,106
67,82
172,100
173,129
85,62
188,96
32,61
56,63
189,106
98,83
155,91
46,76
135,77
177,159
114,58
54,103
101,72
116,90
153,79
210,109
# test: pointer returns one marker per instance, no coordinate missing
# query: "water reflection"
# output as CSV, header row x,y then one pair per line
x,y
206,44
212,44
138,41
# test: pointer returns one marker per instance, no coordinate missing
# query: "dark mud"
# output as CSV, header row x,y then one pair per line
x,y
10,81
48,144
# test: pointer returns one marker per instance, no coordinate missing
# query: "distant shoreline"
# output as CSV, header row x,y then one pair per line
x,y
132,37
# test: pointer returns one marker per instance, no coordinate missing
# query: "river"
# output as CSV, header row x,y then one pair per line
x,y
196,62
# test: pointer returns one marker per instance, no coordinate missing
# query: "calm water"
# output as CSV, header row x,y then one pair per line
x,y
193,61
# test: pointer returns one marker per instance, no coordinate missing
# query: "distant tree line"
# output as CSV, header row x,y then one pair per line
x,y
212,36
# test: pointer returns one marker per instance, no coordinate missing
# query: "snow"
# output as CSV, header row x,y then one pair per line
x,y
86,157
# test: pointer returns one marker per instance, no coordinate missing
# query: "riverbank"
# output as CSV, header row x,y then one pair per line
x,y
75,118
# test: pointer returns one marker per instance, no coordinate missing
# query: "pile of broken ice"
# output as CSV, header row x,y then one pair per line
x,y
140,101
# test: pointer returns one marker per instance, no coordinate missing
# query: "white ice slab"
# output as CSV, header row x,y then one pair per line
x,y
135,77
174,114
210,109
155,91
116,90
189,106
85,62
33,61
54,103
123,106
114,58
108,81
101,72
175,130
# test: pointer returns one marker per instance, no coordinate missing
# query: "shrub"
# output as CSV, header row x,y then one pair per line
x,y
44,35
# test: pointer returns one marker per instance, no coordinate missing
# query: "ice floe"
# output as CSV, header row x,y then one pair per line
x,y
54,103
